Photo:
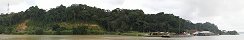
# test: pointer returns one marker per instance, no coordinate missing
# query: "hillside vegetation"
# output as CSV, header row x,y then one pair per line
x,y
82,19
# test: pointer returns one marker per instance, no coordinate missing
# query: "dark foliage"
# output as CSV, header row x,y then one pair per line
x,y
117,20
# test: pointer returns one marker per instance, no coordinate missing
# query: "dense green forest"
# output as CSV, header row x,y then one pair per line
x,y
83,19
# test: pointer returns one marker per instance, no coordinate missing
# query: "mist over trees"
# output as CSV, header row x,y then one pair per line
x,y
83,19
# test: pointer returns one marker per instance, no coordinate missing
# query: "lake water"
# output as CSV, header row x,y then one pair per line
x,y
114,37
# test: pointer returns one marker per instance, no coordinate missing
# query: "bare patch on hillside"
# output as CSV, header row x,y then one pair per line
x,y
22,26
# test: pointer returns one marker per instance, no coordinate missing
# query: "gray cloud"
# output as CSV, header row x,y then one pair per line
x,y
15,5
3,2
115,2
227,14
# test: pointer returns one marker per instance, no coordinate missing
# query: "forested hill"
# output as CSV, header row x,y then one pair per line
x,y
83,19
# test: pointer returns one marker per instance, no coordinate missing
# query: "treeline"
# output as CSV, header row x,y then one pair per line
x,y
83,19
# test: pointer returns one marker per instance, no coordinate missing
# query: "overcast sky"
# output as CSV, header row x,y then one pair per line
x,y
226,14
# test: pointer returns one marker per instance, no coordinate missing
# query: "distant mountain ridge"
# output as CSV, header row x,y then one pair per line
x,y
241,32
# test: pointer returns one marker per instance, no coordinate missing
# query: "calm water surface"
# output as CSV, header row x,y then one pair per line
x,y
114,37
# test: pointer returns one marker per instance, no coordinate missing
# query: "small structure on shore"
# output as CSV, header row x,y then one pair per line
x,y
203,33
158,34
167,34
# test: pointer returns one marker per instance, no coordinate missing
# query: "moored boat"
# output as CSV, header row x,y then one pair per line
x,y
167,34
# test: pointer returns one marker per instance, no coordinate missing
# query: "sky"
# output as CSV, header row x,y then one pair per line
x,y
226,14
